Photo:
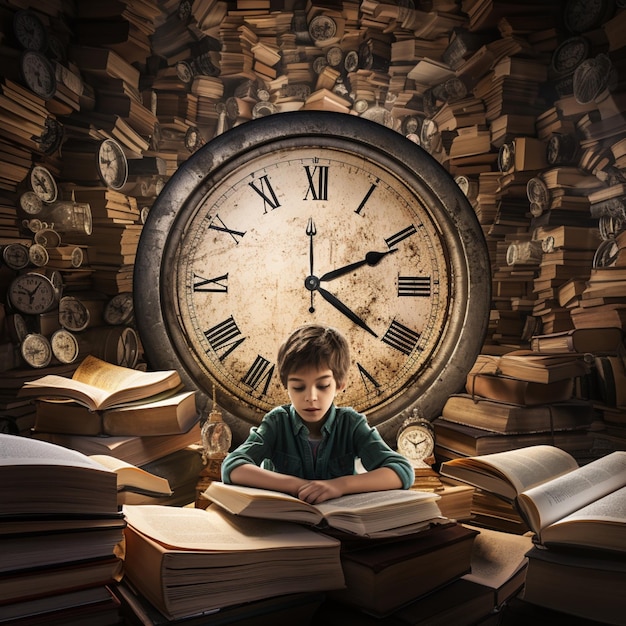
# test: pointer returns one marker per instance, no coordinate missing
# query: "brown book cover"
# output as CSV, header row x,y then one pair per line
x,y
384,576
506,417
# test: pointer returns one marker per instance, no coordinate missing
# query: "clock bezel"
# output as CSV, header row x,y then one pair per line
x,y
466,250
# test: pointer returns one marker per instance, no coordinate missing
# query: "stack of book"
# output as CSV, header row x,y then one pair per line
x,y
141,418
519,399
576,514
61,532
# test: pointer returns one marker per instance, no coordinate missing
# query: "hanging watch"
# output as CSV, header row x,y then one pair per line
x,y
64,346
32,293
313,217
112,164
36,350
38,74
416,439
119,309
30,31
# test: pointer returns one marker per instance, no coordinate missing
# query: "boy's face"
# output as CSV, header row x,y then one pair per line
x,y
312,392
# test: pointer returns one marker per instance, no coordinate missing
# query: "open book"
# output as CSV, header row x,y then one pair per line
x,y
562,503
100,385
167,413
372,514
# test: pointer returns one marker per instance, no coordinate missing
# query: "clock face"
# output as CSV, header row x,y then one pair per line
x,y
43,184
73,315
313,218
30,203
32,293
416,442
29,31
38,74
36,350
112,164
64,346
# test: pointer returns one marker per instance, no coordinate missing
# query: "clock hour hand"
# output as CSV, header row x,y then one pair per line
x,y
342,308
371,258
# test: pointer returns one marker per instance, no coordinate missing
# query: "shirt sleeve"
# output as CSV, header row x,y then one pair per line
x,y
374,452
257,447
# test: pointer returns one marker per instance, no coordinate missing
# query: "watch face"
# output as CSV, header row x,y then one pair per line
x,y
32,293
29,31
569,55
309,223
416,442
15,255
38,74
584,15
30,203
36,350
73,315
64,346
37,253
43,184
112,164
119,309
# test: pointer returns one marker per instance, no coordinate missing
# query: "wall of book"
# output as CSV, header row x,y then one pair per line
x,y
101,101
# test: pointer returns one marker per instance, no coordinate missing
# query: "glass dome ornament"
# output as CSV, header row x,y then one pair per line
x,y
215,434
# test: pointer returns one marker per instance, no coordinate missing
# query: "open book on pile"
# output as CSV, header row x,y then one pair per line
x,y
391,513
100,385
562,503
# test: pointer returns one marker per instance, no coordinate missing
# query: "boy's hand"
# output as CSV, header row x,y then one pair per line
x,y
317,491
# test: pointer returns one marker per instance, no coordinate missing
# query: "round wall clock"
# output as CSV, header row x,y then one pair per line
x,y
309,217
38,74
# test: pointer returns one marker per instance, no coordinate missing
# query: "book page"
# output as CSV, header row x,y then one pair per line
x,y
610,508
211,529
550,502
129,475
18,450
53,386
497,556
523,467
110,377
262,503
373,500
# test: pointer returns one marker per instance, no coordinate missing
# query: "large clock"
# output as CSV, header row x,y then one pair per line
x,y
313,217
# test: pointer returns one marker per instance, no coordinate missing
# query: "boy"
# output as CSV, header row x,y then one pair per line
x,y
311,445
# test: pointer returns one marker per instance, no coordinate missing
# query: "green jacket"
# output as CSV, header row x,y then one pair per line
x,y
280,442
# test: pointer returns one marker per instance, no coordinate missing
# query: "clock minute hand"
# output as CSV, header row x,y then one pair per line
x,y
371,258
342,308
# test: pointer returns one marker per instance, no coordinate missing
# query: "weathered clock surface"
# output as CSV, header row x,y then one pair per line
x,y
313,217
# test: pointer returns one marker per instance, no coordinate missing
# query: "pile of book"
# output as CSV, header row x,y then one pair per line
x,y
373,555
522,398
60,535
146,419
577,517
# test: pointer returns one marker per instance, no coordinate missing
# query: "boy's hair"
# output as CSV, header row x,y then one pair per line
x,y
314,345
